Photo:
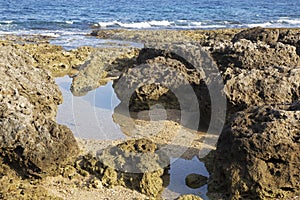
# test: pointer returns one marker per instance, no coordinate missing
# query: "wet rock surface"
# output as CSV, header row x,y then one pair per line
x,y
195,180
31,141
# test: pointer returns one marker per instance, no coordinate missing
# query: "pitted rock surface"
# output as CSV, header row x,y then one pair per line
x,y
31,141
258,154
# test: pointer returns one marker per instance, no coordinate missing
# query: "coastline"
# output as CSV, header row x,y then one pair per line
x,y
71,184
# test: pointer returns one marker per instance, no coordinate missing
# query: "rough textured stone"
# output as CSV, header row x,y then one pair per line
x,y
269,36
189,197
290,36
30,139
246,54
176,75
58,61
104,65
136,164
267,86
195,181
51,57
258,154
13,186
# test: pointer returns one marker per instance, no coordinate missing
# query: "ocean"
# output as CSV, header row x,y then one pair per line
x,y
67,17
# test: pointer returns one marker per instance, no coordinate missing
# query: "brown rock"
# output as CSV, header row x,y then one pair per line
x,y
51,57
136,164
268,86
291,37
31,141
104,65
189,197
258,154
269,36
195,181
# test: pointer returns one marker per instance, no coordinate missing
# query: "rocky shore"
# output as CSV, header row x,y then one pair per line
x,y
257,155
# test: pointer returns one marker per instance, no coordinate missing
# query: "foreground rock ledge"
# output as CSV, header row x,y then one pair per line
x,y
30,139
258,154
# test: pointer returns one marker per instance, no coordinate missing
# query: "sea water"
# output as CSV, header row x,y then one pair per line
x,y
67,17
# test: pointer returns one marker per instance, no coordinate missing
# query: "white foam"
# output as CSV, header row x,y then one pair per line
x,y
106,24
289,21
266,24
196,23
160,23
69,22
6,22
135,25
153,23
55,35
182,21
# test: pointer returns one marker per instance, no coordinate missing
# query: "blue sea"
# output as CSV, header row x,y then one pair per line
x,y
63,17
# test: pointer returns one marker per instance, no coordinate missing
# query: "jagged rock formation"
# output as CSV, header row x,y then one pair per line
x,y
30,139
137,164
51,57
258,154
258,150
104,65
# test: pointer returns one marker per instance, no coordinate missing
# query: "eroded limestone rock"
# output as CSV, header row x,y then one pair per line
x,y
258,154
189,197
103,66
269,36
52,57
136,164
30,139
267,86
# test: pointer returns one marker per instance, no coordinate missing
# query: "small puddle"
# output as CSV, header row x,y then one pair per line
x,y
179,170
91,117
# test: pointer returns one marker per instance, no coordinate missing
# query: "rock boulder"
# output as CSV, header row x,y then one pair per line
x,y
258,154
30,139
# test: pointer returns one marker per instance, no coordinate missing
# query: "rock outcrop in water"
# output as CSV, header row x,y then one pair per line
x,y
31,141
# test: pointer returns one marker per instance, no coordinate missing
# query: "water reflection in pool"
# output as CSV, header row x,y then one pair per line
x,y
89,116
